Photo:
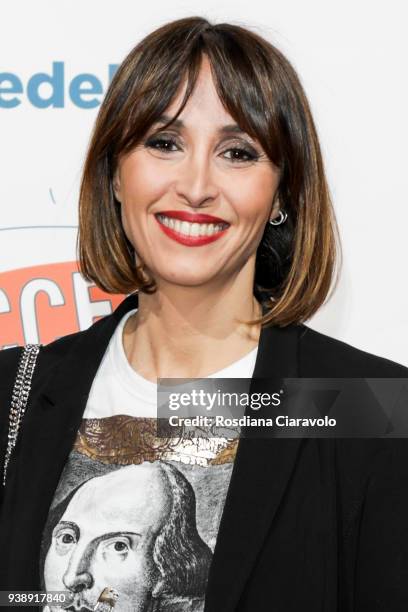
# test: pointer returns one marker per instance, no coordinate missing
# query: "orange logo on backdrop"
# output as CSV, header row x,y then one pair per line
x,y
43,303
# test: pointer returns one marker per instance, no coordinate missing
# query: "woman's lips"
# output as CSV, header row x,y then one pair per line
x,y
190,240
185,215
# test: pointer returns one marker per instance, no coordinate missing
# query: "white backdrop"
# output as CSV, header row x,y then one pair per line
x,y
351,58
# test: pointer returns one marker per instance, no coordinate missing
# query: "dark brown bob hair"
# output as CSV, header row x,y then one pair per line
x,y
296,261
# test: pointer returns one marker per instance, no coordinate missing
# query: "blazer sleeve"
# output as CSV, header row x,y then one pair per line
x,y
381,580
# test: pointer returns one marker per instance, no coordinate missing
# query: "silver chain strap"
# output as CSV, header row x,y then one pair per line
x,y
21,391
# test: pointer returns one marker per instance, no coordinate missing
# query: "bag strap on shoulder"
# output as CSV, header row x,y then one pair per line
x,y
21,391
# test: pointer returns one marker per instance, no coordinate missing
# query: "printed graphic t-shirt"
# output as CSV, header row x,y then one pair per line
x,y
134,520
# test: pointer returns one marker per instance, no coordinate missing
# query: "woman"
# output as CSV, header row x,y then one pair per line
x,y
203,197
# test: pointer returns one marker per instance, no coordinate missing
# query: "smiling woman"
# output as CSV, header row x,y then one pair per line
x,y
204,197
231,135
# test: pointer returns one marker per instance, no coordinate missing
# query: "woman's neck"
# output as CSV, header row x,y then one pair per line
x,y
177,336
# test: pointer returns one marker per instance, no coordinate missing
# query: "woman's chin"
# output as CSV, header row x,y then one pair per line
x,y
188,279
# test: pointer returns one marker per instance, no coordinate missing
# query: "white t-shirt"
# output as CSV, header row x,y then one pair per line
x,y
134,519
119,389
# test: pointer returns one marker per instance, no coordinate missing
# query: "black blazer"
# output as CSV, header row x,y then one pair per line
x,y
308,524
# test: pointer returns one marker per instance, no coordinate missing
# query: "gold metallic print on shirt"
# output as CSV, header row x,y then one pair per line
x,y
127,440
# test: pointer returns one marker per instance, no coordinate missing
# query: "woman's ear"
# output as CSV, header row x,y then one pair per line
x,y
275,209
116,185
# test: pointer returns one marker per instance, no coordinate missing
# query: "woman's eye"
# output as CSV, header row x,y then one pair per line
x,y
242,155
169,145
162,144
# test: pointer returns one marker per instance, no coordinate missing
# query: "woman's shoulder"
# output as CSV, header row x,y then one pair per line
x,y
52,355
47,360
9,357
324,355
51,352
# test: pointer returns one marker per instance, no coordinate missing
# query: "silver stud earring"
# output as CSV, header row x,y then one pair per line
x,y
283,215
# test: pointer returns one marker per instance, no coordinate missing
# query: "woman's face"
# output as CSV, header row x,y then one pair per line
x,y
200,166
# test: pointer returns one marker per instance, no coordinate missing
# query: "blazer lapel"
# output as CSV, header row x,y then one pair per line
x,y
260,474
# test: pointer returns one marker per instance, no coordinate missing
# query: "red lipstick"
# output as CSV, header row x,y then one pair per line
x,y
191,218
183,215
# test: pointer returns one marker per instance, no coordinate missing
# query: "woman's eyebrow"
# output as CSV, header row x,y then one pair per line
x,y
230,128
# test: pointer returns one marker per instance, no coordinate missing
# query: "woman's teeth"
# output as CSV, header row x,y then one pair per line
x,y
191,229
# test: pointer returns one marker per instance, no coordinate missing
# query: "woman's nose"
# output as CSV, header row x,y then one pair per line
x,y
196,180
